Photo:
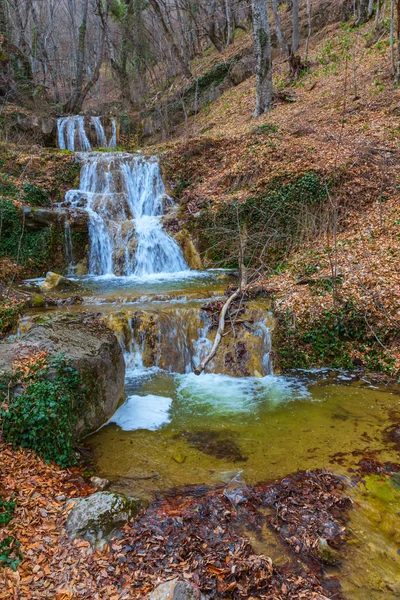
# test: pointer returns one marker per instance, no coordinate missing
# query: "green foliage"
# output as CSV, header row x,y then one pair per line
x,y
7,187
6,511
118,10
181,185
266,129
43,416
10,556
10,311
26,247
274,221
35,196
330,339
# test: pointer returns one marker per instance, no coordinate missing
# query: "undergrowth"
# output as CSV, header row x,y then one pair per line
x,y
41,404
35,249
10,556
275,222
340,338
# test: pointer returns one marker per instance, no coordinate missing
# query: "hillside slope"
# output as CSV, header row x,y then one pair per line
x,y
343,129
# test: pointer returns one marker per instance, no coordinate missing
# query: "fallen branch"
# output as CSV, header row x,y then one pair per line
x,y
221,325
220,331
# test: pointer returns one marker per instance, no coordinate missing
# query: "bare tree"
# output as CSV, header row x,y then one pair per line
x,y
262,50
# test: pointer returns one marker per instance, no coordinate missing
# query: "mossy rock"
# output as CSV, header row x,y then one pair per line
x,y
97,517
38,301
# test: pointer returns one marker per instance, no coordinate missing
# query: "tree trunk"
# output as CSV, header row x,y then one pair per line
x,y
279,34
262,50
73,103
362,12
398,43
295,33
170,37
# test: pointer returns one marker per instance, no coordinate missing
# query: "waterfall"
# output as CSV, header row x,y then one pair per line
x,y
176,338
124,196
72,134
69,250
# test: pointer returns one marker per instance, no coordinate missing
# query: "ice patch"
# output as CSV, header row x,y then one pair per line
x,y
143,412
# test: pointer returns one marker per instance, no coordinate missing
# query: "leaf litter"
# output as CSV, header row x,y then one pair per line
x,y
197,534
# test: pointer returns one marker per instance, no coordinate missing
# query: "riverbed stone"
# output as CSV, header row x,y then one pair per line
x,y
93,350
55,282
176,590
98,517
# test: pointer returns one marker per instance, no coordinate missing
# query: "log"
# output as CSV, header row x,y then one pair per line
x,y
220,331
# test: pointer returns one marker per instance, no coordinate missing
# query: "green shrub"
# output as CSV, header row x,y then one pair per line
x,y
10,556
6,511
35,196
330,340
44,415
22,245
7,187
288,212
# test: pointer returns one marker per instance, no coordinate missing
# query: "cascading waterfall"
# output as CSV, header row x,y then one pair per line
x,y
72,133
176,338
124,196
69,250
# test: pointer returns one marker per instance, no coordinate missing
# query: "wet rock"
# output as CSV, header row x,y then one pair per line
x,y
215,443
94,351
38,218
38,301
97,517
56,282
189,250
326,554
99,483
176,590
237,491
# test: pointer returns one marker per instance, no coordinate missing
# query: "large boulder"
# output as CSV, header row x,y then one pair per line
x,y
97,518
94,351
57,283
176,590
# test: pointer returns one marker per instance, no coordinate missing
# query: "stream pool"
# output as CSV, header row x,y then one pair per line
x,y
177,429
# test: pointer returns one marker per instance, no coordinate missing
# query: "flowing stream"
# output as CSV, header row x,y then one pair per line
x,y
177,429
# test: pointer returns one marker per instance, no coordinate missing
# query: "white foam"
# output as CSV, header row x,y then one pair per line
x,y
143,412
230,395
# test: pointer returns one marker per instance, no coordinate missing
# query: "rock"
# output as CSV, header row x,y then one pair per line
x,y
38,301
99,483
56,282
97,517
176,590
94,351
38,218
189,250
242,69
326,554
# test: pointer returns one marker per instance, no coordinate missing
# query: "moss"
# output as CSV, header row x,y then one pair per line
x,y
38,301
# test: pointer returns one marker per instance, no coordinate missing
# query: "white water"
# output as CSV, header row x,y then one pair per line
x,y
69,250
124,196
143,412
72,133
